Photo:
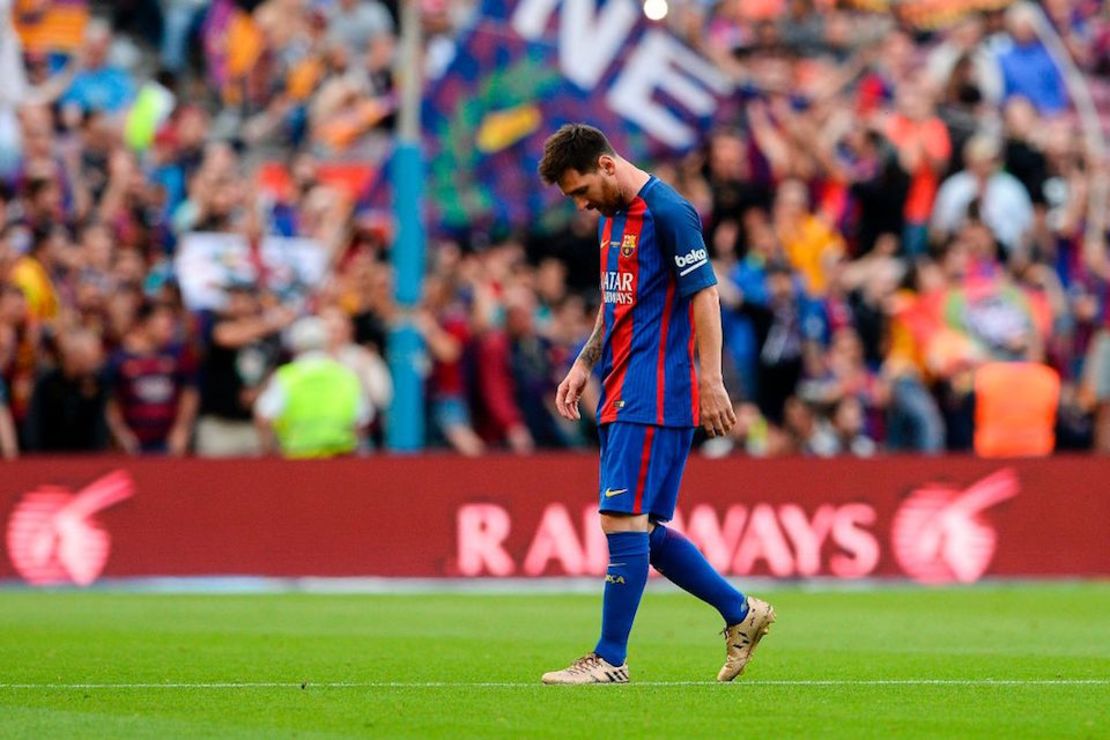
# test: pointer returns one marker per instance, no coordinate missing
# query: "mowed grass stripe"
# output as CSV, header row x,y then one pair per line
x,y
1027,661
534,685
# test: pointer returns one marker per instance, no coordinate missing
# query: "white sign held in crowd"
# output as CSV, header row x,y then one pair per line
x,y
207,263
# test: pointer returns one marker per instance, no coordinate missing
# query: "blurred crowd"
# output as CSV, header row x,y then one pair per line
x,y
889,209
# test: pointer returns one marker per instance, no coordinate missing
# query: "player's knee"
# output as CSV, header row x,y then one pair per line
x,y
613,523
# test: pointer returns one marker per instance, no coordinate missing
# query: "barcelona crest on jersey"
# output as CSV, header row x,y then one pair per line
x,y
628,245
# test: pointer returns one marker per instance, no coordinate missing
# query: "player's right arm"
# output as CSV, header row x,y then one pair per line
x,y
570,390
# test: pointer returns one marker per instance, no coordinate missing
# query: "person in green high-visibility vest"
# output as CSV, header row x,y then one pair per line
x,y
314,406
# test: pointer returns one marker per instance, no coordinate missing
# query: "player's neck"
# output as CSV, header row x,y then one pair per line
x,y
631,180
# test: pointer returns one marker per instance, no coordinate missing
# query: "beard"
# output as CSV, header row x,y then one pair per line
x,y
611,202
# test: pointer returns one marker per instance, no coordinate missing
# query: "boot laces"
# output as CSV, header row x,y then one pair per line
x,y
585,664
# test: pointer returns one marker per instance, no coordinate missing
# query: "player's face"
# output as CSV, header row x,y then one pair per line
x,y
593,191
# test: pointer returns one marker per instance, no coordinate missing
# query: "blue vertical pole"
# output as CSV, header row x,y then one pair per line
x,y
405,426
405,430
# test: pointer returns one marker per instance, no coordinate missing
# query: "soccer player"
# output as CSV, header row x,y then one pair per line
x,y
659,302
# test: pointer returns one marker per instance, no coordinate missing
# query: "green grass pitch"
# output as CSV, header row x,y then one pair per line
x,y
996,661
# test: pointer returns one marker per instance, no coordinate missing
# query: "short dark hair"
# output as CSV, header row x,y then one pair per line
x,y
575,146
145,310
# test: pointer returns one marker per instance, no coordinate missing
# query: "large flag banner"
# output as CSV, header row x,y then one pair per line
x,y
527,67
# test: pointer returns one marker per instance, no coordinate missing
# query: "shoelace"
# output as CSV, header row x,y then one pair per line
x,y
724,632
585,663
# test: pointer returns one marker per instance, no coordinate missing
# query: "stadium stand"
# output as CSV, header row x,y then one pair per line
x,y
892,208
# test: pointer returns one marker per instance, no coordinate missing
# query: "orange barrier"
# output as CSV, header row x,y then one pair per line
x,y
1015,409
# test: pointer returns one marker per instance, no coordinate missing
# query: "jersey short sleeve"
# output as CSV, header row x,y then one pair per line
x,y
678,228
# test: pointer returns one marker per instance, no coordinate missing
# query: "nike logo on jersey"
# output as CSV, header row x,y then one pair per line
x,y
610,492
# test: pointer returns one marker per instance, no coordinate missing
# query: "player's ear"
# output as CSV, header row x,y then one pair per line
x,y
607,164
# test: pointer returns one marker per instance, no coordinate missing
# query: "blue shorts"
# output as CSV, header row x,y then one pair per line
x,y
641,468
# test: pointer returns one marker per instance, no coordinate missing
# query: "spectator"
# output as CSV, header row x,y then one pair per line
x,y
920,351
313,405
782,337
499,418
848,426
34,272
913,420
923,149
999,198
869,166
811,246
803,29
67,410
747,281
181,20
20,341
152,381
98,85
963,110
865,286
446,331
356,24
807,433
9,442
1023,156
1099,360
534,370
1028,68
364,361
735,190
244,347
844,374
965,42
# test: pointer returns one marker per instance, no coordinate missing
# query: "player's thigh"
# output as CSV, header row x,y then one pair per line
x,y
670,449
625,451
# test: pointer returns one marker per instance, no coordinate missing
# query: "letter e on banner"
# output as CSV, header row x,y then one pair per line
x,y
589,40
662,63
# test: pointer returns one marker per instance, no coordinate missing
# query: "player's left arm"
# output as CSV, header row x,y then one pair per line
x,y
717,415
679,229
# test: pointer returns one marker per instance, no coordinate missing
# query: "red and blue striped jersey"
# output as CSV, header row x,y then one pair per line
x,y
653,261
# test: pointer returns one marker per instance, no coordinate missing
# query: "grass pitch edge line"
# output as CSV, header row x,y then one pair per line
x,y
517,684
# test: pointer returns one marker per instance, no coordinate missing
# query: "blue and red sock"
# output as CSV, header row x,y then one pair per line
x,y
683,564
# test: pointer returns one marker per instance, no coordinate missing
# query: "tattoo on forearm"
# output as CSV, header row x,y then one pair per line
x,y
591,353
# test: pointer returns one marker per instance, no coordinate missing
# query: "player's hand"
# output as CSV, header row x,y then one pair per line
x,y
717,416
570,390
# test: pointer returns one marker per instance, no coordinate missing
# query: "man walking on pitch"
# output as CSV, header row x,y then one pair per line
x,y
659,302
